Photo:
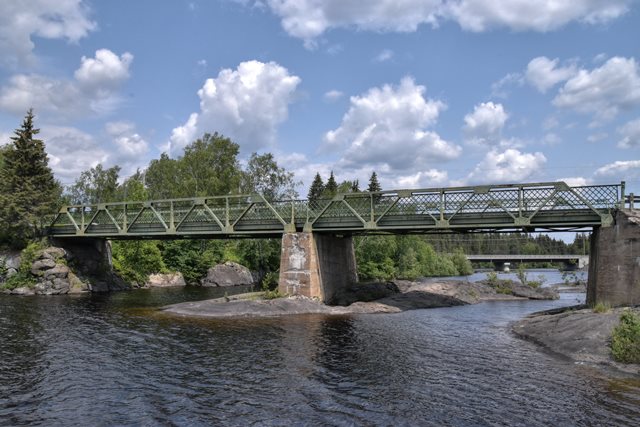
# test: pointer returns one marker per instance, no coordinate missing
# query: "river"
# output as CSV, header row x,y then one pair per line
x,y
112,360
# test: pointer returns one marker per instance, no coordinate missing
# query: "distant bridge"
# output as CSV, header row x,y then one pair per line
x,y
529,207
499,261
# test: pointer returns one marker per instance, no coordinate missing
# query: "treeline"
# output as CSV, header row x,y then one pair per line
x,y
509,244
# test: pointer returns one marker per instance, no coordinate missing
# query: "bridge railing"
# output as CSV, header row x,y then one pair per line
x,y
498,206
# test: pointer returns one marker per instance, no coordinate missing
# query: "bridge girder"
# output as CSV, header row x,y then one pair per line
x,y
535,206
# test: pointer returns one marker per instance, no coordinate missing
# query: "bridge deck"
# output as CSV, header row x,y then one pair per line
x,y
542,206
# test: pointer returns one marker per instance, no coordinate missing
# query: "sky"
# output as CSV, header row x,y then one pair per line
x,y
427,93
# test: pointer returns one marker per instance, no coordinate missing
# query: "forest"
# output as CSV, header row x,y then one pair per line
x,y
209,166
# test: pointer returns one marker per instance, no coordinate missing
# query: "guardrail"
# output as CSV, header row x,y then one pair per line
x,y
522,206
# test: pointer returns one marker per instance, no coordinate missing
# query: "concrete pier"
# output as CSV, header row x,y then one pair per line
x,y
316,265
614,264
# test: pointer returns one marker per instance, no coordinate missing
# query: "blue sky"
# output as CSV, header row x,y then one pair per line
x,y
425,92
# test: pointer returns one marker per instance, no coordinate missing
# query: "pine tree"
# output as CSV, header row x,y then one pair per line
x,y
331,189
316,189
29,191
355,186
374,185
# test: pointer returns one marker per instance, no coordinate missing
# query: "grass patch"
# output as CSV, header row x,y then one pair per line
x,y
601,307
625,340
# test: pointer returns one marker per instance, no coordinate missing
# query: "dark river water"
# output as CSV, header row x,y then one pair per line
x,y
112,360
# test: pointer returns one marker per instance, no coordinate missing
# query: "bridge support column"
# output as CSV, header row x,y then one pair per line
x,y
91,259
316,265
614,262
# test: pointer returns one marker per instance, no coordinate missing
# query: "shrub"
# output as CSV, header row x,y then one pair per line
x,y
270,281
522,274
492,278
625,339
462,264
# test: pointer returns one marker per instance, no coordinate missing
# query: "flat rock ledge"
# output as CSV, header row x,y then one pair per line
x,y
400,296
576,333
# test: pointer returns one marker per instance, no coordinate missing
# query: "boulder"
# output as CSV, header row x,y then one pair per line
x,y
59,271
53,253
76,286
10,260
22,291
520,290
165,280
228,274
40,265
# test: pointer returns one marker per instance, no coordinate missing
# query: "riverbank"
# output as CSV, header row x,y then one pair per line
x,y
390,297
577,333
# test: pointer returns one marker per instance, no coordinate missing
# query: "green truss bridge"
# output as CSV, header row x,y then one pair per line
x,y
549,206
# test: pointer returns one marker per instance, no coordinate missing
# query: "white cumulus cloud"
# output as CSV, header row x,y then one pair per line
x,y
576,181
421,179
386,128
630,134
246,104
309,19
603,91
509,166
333,95
71,151
93,90
619,167
532,15
543,73
128,147
485,124
51,19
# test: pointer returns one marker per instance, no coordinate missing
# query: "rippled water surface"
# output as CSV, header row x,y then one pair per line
x,y
111,360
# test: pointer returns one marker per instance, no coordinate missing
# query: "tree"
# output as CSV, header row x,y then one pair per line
x,y
163,179
331,189
316,189
263,175
210,167
95,185
374,185
28,191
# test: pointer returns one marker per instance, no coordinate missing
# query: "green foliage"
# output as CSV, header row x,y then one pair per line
x,y
522,274
261,255
316,189
136,260
625,339
601,307
331,189
24,278
96,185
269,295
263,175
270,281
407,257
209,167
28,191
192,257
374,185
492,278
461,263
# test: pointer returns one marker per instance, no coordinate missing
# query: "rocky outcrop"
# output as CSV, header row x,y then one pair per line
x,y
578,333
56,271
53,275
397,296
165,280
91,260
228,274
9,263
